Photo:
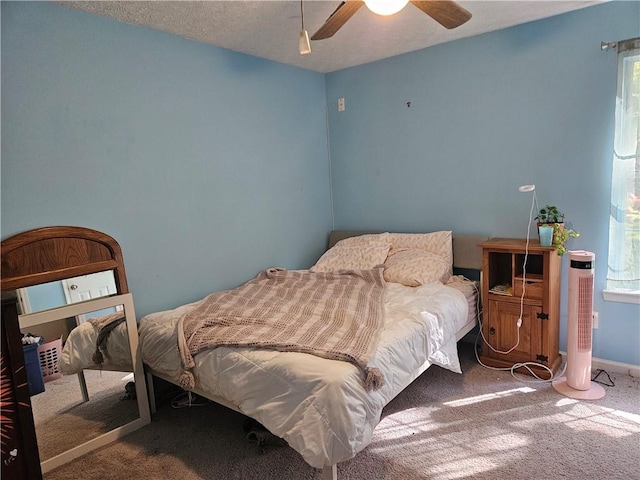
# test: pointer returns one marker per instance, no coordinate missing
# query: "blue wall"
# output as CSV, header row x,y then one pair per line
x,y
206,165
529,104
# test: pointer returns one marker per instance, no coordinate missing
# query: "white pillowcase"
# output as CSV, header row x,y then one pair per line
x,y
411,259
414,267
342,257
363,252
439,243
366,239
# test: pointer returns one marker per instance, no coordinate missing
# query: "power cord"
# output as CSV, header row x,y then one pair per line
x,y
524,287
188,399
526,365
609,384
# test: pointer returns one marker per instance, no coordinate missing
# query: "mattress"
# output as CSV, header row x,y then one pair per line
x,y
320,406
471,291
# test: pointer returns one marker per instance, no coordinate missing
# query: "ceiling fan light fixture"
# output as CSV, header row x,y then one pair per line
x,y
385,7
304,46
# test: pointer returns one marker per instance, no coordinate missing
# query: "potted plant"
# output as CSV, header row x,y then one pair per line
x,y
550,216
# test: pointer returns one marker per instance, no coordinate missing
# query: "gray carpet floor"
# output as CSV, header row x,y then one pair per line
x,y
64,421
480,425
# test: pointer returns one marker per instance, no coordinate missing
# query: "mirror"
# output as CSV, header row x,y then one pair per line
x,y
61,261
45,296
37,298
107,400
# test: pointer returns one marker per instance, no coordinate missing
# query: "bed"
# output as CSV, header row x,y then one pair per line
x,y
325,408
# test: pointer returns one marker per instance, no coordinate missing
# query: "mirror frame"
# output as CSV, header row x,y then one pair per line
x,y
126,301
55,253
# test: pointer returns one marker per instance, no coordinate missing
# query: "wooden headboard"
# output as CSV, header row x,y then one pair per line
x,y
50,254
466,253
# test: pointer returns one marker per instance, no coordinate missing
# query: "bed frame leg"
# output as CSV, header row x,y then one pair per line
x,y
330,472
152,393
83,386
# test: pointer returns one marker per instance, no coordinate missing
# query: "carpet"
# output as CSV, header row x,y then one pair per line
x,y
63,420
483,424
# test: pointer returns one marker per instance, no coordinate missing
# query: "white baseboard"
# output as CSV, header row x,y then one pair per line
x,y
611,366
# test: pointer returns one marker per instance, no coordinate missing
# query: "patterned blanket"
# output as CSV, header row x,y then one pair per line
x,y
337,315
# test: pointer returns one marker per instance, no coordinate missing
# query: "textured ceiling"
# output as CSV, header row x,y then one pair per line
x,y
270,29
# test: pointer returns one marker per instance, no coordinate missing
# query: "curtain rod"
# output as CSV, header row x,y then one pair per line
x,y
621,45
604,46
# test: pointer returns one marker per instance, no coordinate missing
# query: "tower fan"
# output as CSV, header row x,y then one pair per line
x,y
577,382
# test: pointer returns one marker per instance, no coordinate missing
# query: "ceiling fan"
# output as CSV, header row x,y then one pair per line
x,y
447,13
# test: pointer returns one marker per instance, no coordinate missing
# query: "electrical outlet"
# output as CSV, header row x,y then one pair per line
x,y
595,320
341,104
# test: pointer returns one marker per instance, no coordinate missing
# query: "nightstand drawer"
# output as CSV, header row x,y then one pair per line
x,y
533,288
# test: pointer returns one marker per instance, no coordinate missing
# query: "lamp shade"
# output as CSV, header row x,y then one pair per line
x,y
385,7
304,46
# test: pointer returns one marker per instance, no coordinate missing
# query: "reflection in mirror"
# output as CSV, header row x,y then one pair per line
x,y
95,392
64,420
49,295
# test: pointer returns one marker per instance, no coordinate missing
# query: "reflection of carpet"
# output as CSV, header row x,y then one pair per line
x,y
64,421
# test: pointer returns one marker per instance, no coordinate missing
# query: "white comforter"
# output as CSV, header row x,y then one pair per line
x,y
320,406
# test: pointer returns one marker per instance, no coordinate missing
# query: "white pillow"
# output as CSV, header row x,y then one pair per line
x,y
414,267
349,255
439,243
366,239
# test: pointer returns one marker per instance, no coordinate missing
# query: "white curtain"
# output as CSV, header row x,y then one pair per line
x,y
624,224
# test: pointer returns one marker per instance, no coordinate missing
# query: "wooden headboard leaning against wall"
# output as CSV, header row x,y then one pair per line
x,y
50,254
467,256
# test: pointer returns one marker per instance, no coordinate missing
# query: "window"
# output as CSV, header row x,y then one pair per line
x,y
623,274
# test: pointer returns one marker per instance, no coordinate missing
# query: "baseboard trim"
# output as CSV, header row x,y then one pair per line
x,y
611,366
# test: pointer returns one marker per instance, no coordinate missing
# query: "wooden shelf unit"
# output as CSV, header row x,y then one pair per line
x,y
531,293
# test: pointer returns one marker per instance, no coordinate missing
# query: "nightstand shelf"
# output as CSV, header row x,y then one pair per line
x,y
513,289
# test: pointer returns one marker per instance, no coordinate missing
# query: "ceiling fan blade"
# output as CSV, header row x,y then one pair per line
x,y
337,19
446,13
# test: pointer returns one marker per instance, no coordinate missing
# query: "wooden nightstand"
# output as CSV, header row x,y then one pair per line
x,y
507,298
